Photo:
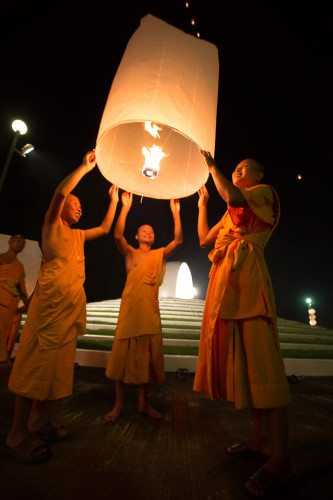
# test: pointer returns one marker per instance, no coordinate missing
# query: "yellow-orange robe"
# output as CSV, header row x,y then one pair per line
x,y
44,363
11,275
239,354
137,353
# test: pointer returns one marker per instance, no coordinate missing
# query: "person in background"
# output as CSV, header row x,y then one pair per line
x,y
12,290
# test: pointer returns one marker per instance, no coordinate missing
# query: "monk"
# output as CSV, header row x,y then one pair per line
x,y
44,364
239,353
137,354
12,290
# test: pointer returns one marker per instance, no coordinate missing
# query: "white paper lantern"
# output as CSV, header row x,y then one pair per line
x,y
167,81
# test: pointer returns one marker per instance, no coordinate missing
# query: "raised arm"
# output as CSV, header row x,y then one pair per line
x,y
104,228
206,235
178,231
124,247
230,193
66,187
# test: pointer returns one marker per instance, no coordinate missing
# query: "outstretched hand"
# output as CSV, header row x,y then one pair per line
x,y
175,206
210,162
114,193
89,159
203,196
126,199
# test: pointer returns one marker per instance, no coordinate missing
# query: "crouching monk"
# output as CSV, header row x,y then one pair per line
x,y
137,354
239,353
44,364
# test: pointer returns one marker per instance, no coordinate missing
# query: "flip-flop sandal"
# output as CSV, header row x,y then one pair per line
x,y
52,431
267,484
30,451
242,450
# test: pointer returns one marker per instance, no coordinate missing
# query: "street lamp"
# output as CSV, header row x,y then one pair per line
x,y
19,128
311,312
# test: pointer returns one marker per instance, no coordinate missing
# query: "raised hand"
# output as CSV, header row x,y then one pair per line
x,y
175,206
89,159
126,199
210,162
203,196
114,193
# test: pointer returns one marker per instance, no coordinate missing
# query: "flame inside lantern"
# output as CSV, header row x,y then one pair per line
x,y
153,156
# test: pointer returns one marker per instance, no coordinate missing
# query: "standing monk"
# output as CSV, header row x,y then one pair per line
x,y
44,364
239,355
12,290
137,354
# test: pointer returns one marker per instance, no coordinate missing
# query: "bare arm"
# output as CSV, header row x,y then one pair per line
x,y
121,242
230,193
22,289
104,228
206,235
66,187
178,231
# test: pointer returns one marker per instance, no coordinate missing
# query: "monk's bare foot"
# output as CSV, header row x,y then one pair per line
x,y
150,412
15,439
113,415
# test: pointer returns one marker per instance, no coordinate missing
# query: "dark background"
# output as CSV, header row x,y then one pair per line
x,y
58,61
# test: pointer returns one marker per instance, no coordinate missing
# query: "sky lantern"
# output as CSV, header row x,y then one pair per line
x,y
161,110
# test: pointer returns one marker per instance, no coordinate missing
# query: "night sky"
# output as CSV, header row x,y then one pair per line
x,y
58,61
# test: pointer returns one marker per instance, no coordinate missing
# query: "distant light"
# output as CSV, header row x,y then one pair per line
x,y
308,301
299,177
312,311
19,126
27,148
187,4
313,322
193,22
184,284
198,34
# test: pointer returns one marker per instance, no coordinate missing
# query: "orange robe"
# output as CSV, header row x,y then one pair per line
x,y
44,363
239,353
137,353
13,331
10,276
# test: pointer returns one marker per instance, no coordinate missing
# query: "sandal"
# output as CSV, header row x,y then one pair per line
x,y
242,450
52,431
263,484
31,450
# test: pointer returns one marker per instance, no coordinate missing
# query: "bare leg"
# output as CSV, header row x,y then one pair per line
x,y
279,462
113,415
278,466
144,406
19,430
38,415
259,441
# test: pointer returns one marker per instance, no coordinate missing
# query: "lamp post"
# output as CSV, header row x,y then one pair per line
x,y
311,312
19,128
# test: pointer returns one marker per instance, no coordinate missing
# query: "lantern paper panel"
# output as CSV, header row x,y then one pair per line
x,y
169,80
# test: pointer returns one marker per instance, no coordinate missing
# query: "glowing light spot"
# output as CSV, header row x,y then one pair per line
x,y
153,156
153,129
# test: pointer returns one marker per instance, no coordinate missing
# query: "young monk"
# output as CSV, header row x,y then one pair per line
x,y
239,354
12,290
44,364
137,353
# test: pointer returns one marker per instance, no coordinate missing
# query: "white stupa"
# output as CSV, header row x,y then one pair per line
x,y
177,282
